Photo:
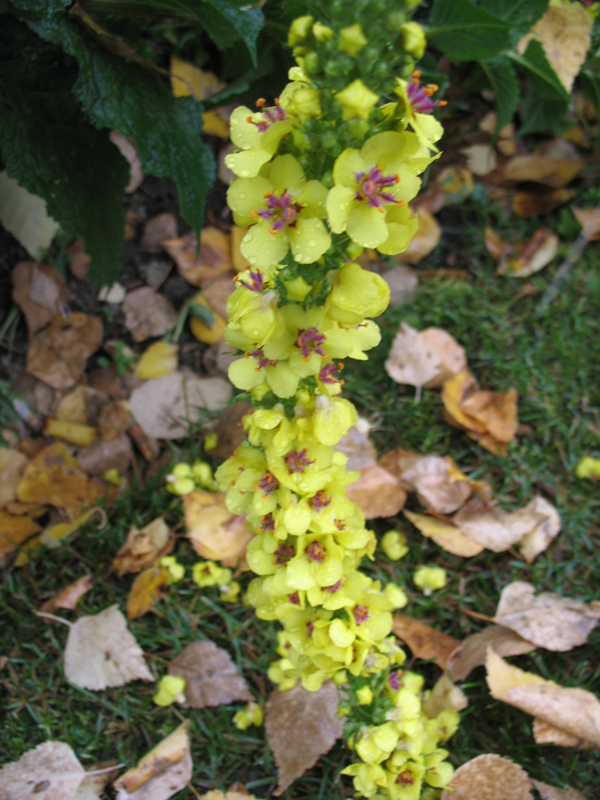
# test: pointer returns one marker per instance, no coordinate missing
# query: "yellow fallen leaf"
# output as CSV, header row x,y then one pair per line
x,y
187,79
203,331
215,533
146,590
13,531
80,435
12,465
447,535
213,260
157,360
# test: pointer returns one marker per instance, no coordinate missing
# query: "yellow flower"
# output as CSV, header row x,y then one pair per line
x,y
588,467
230,592
257,135
210,442
332,419
180,480
356,100
417,105
393,545
251,715
202,474
207,573
356,294
299,30
367,777
170,690
352,39
428,579
364,696
176,571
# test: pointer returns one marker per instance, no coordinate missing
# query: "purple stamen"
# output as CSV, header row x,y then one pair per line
x,y
371,187
310,340
297,461
361,614
419,96
261,360
327,373
280,211
321,500
283,554
257,281
316,552
270,117
268,483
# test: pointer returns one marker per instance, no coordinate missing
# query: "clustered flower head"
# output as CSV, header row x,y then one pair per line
x,y
327,169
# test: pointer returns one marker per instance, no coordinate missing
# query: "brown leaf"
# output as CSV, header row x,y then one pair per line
x,y
58,354
444,696
548,620
114,420
101,652
573,711
547,792
162,406
215,533
358,447
535,542
81,406
102,455
377,493
14,530
424,641
403,283
481,158
301,726
493,527
156,230
129,152
554,167
532,256
439,484
162,772
425,239
95,779
489,777
142,548
79,263
217,794
447,535
425,358
69,596
541,201
213,260
40,292
472,652
211,676
12,466
589,218
147,590
147,313
218,292
50,771
229,430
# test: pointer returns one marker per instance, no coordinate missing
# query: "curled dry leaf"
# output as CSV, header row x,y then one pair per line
x,y
489,777
472,652
573,712
53,477
535,542
58,354
147,590
548,620
547,792
81,406
114,420
103,455
50,771
212,678
214,258
157,360
129,152
12,466
165,407
425,358
425,239
542,200
589,219
439,484
377,493
215,533
481,158
143,547
553,164
101,652
147,313
40,292
495,528
448,536
162,772
70,595
444,696
424,641
301,726
14,530
95,779
532,256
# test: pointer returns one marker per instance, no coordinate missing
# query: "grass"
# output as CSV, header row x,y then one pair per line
x,y
553,363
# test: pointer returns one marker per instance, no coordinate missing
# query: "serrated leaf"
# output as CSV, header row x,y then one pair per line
x,y
540,115
45,8
544,80
82,193
505,86
465,32
521,14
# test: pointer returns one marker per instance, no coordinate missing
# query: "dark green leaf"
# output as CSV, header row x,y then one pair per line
x,y
50,149
42,8
544,80
465,32
503,80
203,313
540,115
167,131
522,14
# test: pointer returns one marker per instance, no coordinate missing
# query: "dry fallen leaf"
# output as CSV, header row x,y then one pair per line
x,y
542,200
69,596
14,530
215,533
424,641
448,536
146,590
49,771
187,79
481,158
212,678
58,354
547,792
403,282
301,726
156,230
425,358
164,407
103,455
79,263
444,696
147,313
25,215
493,527
129,152
439,484
162,772
81,406
157,360
95,779
565,34
79,435
229,430
357,446
377,493
101,652
12,466
114,420
472,652
143,547
553,164
40,292
456,183
535,542
548,620
532,256
218,292
217,794
213,260
574,712
489,777
425,239
589,219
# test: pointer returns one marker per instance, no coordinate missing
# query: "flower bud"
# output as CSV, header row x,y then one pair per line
x,y
299,30
428,579
413,39
394,546
356,100
297,289
588,467
364,696
170,690
321,32
340,677
352,39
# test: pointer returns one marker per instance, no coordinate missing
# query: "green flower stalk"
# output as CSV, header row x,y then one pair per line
x,y
327,170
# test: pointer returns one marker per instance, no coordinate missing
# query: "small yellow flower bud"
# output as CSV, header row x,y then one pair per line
x,y
304,103
207,573
395,595
180,481
176,571
170,690
340,677
428,579
230,592
413,39
251,715
203,474
297,289
588,467
112,476
393,545
299,30
352,40
210,442
356,100
321,32
343,711
364,696
354,251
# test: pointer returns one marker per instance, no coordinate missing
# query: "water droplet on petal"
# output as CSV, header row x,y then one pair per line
x,y
312,243
242,196
252,260
299,257
248,237
244,174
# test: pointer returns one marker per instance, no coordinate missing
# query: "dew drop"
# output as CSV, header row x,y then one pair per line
x,y
248,237
244,174
300,257
312,243
252,260
242,196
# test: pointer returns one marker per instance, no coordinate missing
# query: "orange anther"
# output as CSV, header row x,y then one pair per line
x,y
442,103
397,178
434,87
276,101
249,119
254,214
401,203
416,74
381,209
342,382
261,102
340,365
428,91
272,230
268,194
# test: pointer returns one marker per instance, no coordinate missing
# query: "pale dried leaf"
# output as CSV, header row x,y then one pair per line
x,y
25,216
543,733
103,455
548,620
542,168
70,595
425,240
589,219
489,777
215,533
101,652
147,313
424,641
411,360
438,482
211,676
162,772
81,406
451,354
50,771
92,786
535,542
12,466
217,794
156,230
58,354
357,446
40,292
532,256
547,792
114,420
481,158
472,652
447,535
129,152
403,283
493,527
377,493
164,407
301,726
444,696
142,547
